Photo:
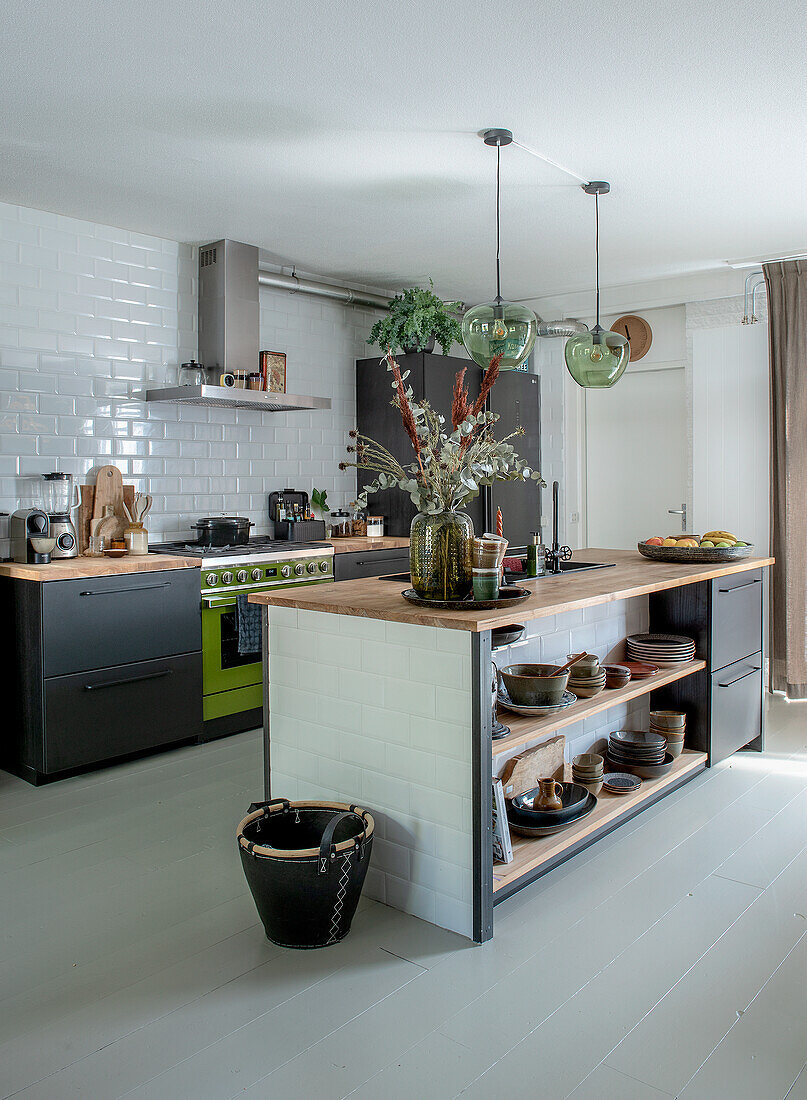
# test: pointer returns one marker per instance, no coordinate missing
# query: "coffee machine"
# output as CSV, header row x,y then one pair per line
x,y
31,538
60,497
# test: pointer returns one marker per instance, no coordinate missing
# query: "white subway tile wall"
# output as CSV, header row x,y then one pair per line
x,y
351,737
89,314
597,630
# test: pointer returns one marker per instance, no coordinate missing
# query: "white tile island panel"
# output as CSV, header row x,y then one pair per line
x,y
379,713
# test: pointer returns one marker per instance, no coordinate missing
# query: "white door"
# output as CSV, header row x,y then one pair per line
x,y
636,441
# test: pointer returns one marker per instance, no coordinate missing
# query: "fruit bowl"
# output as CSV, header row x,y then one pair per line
x,y
695,554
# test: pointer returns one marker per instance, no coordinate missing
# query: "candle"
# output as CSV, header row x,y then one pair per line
x,y
499,523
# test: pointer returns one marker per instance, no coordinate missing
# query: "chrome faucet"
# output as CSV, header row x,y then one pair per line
x,y
556,553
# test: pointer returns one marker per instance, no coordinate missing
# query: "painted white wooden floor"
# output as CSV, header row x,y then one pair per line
x,y
668,960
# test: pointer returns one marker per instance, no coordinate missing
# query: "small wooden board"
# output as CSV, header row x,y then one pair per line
x,y
546,761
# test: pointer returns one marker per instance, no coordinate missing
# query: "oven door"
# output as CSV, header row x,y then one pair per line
x,y
224,669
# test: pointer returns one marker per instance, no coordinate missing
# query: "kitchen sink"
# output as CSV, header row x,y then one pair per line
x,y
579,566
565,567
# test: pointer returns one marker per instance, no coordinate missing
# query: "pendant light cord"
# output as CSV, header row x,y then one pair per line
x,y
597,251
498,231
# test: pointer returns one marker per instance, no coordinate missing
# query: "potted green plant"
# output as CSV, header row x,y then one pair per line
x,y
450,467
416,319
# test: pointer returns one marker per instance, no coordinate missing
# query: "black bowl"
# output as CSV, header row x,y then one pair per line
x,y
574,798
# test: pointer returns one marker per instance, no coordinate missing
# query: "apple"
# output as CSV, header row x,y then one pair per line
x,y
655,541
669,542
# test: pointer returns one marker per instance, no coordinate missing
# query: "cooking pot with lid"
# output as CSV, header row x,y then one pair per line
x,y
223,530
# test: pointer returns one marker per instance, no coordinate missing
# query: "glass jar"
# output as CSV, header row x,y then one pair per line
x,y
440,555
358,524
192,374
136,538
341,524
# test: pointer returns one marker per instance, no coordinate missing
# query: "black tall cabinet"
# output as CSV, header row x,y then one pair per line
x,y
515,397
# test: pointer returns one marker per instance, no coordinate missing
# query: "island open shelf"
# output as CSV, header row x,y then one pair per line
x,y
377,702
523,729
534,857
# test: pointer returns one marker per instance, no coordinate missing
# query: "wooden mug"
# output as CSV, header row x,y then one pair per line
x,y
548,797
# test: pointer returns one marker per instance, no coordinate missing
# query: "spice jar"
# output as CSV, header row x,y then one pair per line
x,y
240,382
341,525
254,381
358,524
136,538
192,374
375,527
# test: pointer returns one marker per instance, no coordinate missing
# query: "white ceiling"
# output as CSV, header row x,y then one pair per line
x,y
341,137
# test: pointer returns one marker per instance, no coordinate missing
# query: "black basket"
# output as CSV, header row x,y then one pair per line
x,y
305,863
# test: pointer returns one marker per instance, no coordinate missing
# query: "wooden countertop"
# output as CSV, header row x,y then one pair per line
x,y
353,545
631,575
76,568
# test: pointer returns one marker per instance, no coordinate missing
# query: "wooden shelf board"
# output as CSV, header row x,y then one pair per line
x,y
524,729
529,855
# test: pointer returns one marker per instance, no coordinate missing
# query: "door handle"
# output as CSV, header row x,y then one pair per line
x,y
737,587
737,679
221,601
123,591
128,680
682,512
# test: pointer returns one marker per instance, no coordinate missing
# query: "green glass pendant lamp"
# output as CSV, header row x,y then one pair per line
x,y
596,360
498,326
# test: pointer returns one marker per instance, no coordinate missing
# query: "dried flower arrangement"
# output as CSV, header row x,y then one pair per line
x,y
449,467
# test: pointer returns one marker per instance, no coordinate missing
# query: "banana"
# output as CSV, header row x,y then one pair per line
x,y
722,536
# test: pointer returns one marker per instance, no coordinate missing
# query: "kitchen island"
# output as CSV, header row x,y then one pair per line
x,y
374,700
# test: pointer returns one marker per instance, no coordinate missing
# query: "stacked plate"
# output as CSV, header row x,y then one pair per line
x,y
567,700
621,783
577,804
640,753
665,650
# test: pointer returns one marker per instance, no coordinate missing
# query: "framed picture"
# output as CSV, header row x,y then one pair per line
x,y
273,371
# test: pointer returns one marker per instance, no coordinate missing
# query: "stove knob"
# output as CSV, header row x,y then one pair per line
x,y
285,571
211,579
227,578
299,570
324,567
242,576
257,574
312,567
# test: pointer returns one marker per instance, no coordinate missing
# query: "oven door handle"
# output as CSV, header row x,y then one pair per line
x,y
218,601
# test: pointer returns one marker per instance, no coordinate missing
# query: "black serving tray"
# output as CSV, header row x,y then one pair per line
x,y
508,596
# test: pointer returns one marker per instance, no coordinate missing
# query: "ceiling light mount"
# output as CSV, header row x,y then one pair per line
x,y
497,137
597,187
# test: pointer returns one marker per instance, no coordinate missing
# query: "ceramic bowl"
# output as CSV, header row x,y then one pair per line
x,y
588,761
668,719
675,748
534,685
588,692
588,665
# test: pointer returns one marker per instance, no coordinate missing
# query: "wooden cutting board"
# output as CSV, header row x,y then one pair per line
x,y
109,490
521,773
85,512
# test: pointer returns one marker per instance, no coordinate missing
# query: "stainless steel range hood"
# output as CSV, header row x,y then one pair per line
x,y
229,313
229,335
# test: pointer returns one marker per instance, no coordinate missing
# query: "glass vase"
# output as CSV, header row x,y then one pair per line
x,y
440,555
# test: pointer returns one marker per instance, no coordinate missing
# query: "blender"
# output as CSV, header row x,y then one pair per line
x,y
60,498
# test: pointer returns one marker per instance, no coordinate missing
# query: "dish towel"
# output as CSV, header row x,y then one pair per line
x,y
248,625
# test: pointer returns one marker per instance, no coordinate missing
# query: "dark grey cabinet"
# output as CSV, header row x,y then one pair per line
x,y
724,702
515,398
370,563
99,668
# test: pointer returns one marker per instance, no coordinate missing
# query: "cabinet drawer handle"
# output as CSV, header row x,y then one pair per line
x,y
123,591
737,679
737,587
127,680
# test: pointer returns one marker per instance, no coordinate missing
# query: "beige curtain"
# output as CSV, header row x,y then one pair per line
x,y
787,320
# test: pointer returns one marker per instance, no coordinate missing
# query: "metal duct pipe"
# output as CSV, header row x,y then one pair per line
x,y
568,327
296,285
